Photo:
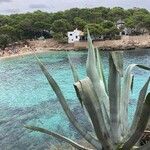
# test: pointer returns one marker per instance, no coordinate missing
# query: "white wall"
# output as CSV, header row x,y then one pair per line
x,y
73,36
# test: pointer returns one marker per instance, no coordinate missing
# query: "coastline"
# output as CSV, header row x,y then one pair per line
x,y
7,56
41,46
29,52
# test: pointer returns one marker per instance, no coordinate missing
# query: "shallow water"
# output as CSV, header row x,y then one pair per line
x,y
26,98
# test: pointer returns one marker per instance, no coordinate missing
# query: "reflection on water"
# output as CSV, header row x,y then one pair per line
x,y
26,97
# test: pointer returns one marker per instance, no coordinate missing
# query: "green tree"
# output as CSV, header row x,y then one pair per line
x,y
4,41
139,20
95,29
146,22
107,24
5,20
61,26
60,38
116,13
31,25
130,22
8,30
79,23
56,16
27,30
98,14
71,14
40,28
86,14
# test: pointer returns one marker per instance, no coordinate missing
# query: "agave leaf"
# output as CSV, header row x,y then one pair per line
x,y
145,146
98,63
143,67
141,125
74,72
75,75
79,92
100,68
87,115
132,83
125,95
118,61
66,108
141,98
140,104
56,135
91,61
92,73
91,103
114,90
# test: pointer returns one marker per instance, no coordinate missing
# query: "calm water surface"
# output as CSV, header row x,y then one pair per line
x,y
26,98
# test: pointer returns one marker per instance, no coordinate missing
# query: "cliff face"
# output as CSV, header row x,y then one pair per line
x,y
126,42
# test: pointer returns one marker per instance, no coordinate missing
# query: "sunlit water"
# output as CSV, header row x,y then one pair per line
x,y
26,97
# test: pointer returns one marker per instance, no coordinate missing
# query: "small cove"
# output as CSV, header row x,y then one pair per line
x,y
26,97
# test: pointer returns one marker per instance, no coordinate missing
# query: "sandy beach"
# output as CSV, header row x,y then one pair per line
x,y
21,53
40,46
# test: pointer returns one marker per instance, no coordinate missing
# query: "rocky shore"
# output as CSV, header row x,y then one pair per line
x,y
31,46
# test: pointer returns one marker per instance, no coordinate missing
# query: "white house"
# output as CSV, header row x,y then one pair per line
x,y
120,24
74,36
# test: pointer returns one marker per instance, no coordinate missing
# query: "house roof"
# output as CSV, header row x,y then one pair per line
x,y
81,33
120,21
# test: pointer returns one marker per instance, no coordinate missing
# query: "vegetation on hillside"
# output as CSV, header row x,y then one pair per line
x,y
99,20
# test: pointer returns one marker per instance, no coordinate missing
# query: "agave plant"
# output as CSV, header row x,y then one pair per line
x,y
106,104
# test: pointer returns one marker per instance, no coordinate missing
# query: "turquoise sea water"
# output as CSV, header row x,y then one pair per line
x,y
26,98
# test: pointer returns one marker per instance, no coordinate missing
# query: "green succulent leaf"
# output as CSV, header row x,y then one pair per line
x,y
140,103
132,83
100,68
118,61
93,107
74,71
141,125
78,89
98,85
66,108
114,90
56,135
126,90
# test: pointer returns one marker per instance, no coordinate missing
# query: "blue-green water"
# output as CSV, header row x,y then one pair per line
x,y
26,98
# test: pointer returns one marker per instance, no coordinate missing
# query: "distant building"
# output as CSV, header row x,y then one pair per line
x,y
120,24
75,36
127,31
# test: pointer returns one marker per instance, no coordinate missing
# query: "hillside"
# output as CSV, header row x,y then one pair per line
x,y
100,21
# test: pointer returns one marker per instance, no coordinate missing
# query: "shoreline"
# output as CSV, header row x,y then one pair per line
x,y
21,54
126,43
31,52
